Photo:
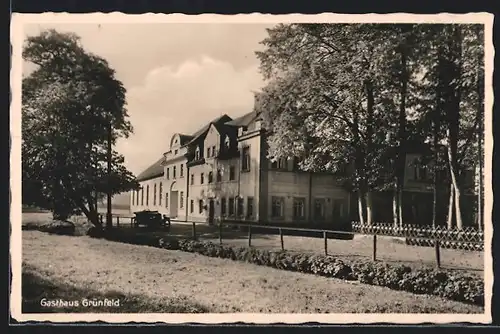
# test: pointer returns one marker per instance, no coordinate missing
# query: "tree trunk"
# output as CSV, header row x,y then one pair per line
x,y
453,113
395,209
435,146
480,114
434,198
450,208
369,208
401,154
458,212
361,210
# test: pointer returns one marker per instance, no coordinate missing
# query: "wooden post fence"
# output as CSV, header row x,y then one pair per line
x,y
281,240
325,238
374,247
438,253
249,236
194,231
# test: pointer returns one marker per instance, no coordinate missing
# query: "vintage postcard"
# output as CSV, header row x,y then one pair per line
x,y
251,168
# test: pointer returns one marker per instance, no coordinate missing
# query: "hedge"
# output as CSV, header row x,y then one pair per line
x,y
53,227
454,286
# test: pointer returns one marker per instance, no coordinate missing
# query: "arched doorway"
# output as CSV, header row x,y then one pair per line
x,y
174,200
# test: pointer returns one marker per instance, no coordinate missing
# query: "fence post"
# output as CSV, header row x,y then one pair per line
x,y
117,221
281,239
325,238
374,247
249,236
194,231
438,253
220,232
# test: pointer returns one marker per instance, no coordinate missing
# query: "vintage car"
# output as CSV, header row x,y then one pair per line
x,y
152,219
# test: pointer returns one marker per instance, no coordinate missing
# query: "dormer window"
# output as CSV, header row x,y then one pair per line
x,y
197,153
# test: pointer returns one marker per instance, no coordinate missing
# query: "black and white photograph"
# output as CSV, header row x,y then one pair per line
x,y
255,168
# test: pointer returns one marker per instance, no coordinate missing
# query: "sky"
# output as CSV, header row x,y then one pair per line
x,y
178,77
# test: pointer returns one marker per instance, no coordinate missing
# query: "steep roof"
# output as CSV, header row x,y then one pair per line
x,y
155,170
243,120
218,121
185,138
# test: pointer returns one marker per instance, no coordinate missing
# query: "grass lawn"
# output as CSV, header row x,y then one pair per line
x,y
36,287
156,280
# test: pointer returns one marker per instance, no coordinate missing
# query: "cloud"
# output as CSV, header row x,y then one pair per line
x,y
183,99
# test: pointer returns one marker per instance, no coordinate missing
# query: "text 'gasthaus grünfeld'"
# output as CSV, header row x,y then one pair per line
x,y
80,303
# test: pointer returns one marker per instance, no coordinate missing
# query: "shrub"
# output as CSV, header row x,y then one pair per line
x,y
59,227
457,287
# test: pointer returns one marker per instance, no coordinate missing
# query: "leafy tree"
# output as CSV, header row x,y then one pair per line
x,y
324,103
70,104
452,102
358,95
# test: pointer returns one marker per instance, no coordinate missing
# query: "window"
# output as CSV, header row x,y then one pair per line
x,y
213,151
192,179
227,143
174,171
202,178
142,196
277,208
219,175
182,170
161,194
249,207
232,173
338,208
296,166
240,207
231,206
168,173
133,197
245,159
191,206
175,152
223,206
200,205
197,153
147,195
210,177
166,200
298,208
181,205
280,163
319,208
154,194
208,152
420,172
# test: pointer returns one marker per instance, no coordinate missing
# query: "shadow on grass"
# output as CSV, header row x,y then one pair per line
x,y
38,291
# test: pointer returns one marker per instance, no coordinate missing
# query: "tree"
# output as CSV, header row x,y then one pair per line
x,y
451,105
324,104
68,103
